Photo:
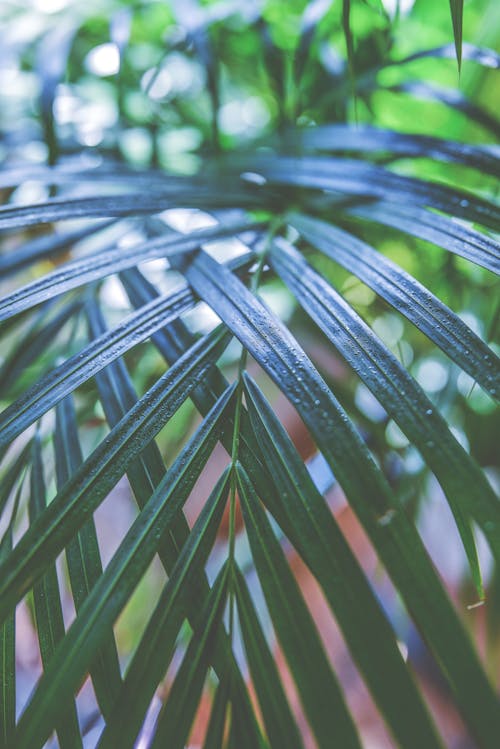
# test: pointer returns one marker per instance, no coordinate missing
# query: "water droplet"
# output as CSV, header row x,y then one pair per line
x,y
386,518
428,412
464,203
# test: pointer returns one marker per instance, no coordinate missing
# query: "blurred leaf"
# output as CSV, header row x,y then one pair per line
x,y
367,139
7,665
457,12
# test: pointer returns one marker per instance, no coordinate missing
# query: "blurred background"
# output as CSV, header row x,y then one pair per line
x,y
167,84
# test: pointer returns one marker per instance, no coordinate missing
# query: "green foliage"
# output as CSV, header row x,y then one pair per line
x,y
197,191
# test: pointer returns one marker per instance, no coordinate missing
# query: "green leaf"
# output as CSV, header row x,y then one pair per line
x,y
48,610
468,491
83,557
367,139
172,342
314,13
166,193
97,265
457,12
450,97
386,524
316,684
7,665
349,42
44,247
155,650
12,475
367,180
473,245
35,344
114,588
322,546
98,474
278,717
407,296
214,738
57,383
178,712
117,395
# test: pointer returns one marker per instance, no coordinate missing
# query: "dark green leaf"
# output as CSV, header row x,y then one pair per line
x,y
278,717
155,650
91,483
457,13
62,380
323,548
12,475
45,247
408,296
83,557
313,14
105,262
114,588
392,534
7,665
316,684
36,343
477,247
468,491
177,715
356,177
349,42
146,472
48,610
367,139
172,341
214,738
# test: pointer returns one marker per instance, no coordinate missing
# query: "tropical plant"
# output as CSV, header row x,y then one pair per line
x,y
120,358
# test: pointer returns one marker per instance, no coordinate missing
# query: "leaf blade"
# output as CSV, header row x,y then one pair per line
x,y
319,691
316,536
113,589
